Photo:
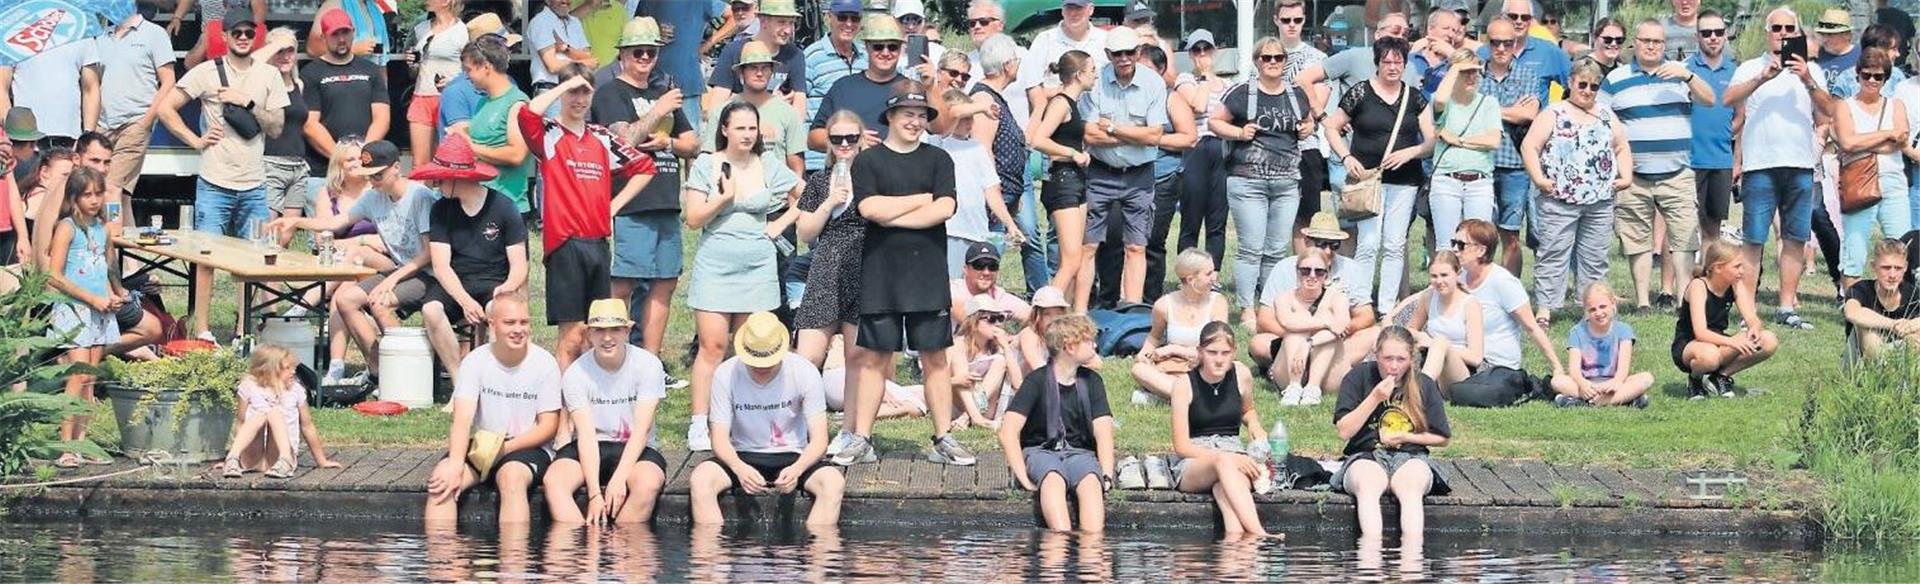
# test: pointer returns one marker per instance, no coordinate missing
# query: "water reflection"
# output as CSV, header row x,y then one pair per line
x,y
319,551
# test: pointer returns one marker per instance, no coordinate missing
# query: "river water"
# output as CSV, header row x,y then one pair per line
x,y
179,551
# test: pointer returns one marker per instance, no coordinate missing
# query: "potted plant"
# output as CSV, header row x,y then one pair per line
x,y
181,405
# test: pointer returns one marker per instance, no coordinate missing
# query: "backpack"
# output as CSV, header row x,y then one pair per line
x,y
1496,387
1123,330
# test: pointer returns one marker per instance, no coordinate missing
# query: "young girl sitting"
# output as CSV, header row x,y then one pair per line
x,y
1603,348
1447,322
271,403
1210,405
78,264
1701,346
1172,345
1884,310
1057,434
979,361
1390,414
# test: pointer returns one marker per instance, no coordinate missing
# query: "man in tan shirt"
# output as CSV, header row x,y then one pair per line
x,y
228,197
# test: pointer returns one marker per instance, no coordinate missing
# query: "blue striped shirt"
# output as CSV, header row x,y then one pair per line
x,y
825,66
1656,113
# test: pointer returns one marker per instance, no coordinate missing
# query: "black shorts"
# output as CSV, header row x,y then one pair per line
x,y
480,289
610,452
1313,180
578,273
895,331
536,459
9,243
770,464
1066,187
130,314
1714,192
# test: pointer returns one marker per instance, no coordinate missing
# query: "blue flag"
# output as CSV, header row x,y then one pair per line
x,y
31,27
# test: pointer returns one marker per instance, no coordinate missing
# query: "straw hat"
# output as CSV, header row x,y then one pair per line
x,y
1324,226
762,341
483,448
608,313
489,23
779,8
453,160
755,53
640,32
880,27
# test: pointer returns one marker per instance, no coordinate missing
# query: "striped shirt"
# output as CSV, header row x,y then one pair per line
x,y
1520,81
1656,114
825,66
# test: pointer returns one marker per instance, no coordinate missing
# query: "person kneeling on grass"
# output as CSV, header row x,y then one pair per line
x,y
1057,434
611,394
1390,414
506,409
1701,346
1884,311
1210,403
273,413
768,415
1602,347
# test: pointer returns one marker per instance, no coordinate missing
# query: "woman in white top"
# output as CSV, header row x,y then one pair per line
x,y
1447,324
1314,320
1870,125
1173,344
436,59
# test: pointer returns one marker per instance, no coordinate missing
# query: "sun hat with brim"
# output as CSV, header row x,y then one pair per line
x,y
22,126
1834,20
489,23
762,341
755,53
1050,297
483,449
910,99
608,313
1324,226
779,8
640,32
454,160
982,302
878,27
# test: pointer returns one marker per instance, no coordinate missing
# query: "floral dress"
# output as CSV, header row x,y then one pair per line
x,y
1579,158
833,279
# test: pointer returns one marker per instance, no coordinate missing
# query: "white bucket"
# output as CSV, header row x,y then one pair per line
x,y
406,367
296,334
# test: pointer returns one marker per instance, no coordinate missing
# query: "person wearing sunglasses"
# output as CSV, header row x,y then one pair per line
x,y
1469,131
981,361
1290,17
777,19
1262,122
783,129
912,16
1609,41
1711,125
829,303
1521,90
1076,32
1322,234
1663,194
1579,158
866,94
1872,125
1314,319
1172,347
1778,178
1128,124
980,276
1542,56
831,58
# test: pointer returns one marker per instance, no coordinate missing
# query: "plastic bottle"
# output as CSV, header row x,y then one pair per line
x,y
1277,447
842,179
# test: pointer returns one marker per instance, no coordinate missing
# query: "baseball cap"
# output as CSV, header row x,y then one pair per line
x,y
845,7
981,250
239,14
1050,297
377,156
335,20
1076,2
1121,38
906,7
1200,35
1139,11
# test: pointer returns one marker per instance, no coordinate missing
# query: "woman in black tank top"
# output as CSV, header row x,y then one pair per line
x,y
1702,345
1210,404
1059,134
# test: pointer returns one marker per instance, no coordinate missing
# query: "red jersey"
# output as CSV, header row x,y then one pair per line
x,y
576,177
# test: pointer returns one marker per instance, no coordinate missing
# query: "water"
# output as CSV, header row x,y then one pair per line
x,y
172,551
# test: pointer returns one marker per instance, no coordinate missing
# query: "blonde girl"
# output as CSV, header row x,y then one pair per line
x,y
979,361
1602,348
1702,345
1449,327
1390,414
270,404
78,258
1173,343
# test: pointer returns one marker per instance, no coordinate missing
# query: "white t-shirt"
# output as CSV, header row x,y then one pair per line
x,y
769,418
1046,50
1499,296
49,84
972,173
1779,115
612,394
1908,94
509,398
1285,277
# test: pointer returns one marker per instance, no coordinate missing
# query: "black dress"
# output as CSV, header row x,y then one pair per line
x,y
1066,185
833,281
1718,310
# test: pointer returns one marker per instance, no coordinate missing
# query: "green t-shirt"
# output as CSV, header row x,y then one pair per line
x,y
1475,118
489,127
785,131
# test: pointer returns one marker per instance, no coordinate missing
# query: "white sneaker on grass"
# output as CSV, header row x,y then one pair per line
x,y
1158,475
1311,395
1131,478
1291,395
698,440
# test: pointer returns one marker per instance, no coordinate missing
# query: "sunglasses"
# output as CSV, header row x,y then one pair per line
x,y
1549,20
1586,86
912,20
847,17
1126,54
995,317
1613,40
1876,77
843,139
1279,58
1294,21
884,47
1786,28
1503,43
244,32
643,53
1324,243
1460,244
963,76
1712,32
981,22
1518,17
1312,272
985,266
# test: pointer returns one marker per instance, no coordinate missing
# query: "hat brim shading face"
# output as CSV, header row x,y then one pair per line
x,y
480,172
759,357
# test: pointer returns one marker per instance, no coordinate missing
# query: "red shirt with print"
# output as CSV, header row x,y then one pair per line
x,y
576,177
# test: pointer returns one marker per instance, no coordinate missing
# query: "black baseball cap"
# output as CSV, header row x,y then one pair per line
x,y
237,15
377,156
981,250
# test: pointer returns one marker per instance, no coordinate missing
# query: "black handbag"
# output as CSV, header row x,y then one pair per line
x,y
1494,387
240,121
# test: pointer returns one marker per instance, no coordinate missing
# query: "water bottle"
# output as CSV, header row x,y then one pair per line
x,y
842,179
1277,447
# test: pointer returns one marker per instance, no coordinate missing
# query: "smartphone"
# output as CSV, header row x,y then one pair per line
x,y
916,49
1796,45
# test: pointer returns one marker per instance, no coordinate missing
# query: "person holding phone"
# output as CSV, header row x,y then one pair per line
x,y
923,39
1778,179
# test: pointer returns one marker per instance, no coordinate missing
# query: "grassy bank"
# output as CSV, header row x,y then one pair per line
x,y
1863,439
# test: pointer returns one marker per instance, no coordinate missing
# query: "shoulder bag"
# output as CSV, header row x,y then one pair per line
x,y
239,120
1860,173
1360,199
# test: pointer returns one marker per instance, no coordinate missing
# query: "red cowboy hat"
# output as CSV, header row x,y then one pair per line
x,y
453,160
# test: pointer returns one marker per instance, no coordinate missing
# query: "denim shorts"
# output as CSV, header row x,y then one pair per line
x,y
1513,191
646,246
217,209
1787,190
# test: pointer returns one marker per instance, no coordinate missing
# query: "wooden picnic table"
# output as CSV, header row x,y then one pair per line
x,y
287,281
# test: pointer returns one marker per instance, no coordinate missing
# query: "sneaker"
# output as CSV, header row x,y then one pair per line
x,y
1291,395
859,449
334,373
295,312
947,450
1721,385
1143,397
1130,477
360,379
839,442
1788,318
1158,476
1665,302
1696,388
698,440
1311,395
1567,401
676,383
1641,402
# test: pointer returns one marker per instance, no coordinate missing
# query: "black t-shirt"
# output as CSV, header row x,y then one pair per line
x,y
479,241
903,270
618,101
1360,382
1076,419
343,95
860,95
1372,118
1867,293
292,142
1275,149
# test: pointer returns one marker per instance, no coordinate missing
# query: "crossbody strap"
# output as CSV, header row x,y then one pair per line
x,y
1398,117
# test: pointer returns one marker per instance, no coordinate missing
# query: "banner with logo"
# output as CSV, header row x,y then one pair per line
x,y
31,27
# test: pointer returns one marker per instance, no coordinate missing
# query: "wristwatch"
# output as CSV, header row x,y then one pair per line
x,y
1106,483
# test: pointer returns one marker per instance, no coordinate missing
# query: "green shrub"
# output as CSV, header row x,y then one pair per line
x,y
28,421
1863,438
207,378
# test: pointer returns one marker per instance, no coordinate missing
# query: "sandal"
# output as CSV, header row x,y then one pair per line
x,y
68,460
231,469
97,461
281,470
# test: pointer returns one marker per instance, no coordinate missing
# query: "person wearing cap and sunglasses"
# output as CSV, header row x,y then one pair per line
x,y
611,394
865,94
777,21
980,276
506,406
833,57
1127,111
912,16
981,361
769,428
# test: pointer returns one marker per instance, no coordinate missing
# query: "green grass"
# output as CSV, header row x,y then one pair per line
x,y
1754,433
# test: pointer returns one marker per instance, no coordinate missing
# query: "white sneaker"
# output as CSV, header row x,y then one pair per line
x,y
1158,475
858,450
698,440
1143,397
839,443
1311,395
334,374
1291,395
1131,478
675,382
